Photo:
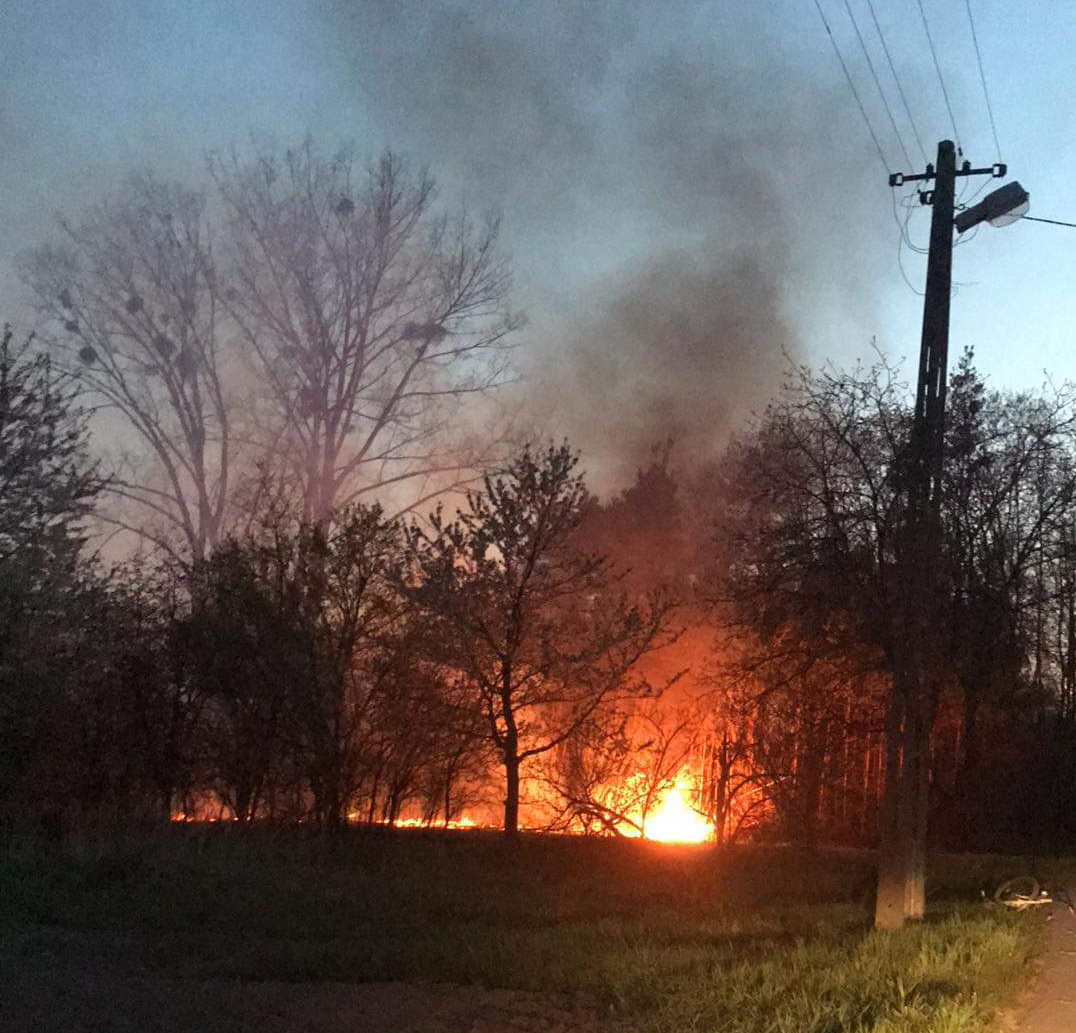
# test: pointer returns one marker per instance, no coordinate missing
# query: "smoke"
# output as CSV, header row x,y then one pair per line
x,y
671,175
679,351
680,341
662,175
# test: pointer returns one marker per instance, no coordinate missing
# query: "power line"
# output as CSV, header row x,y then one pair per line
x,y
904,273
982,78
1053,222
968,238
852,86
910,203
896,79
904,238
937,68
877,83
982,186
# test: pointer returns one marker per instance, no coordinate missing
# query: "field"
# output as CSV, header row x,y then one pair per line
x,y
217,929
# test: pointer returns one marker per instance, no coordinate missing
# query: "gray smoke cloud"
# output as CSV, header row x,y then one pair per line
x,y
664,178
686,192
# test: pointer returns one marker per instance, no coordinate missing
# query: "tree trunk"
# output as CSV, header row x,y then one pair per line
x,y
511,795
511,754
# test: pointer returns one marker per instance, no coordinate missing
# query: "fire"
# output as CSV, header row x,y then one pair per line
x,y
674,820
463,822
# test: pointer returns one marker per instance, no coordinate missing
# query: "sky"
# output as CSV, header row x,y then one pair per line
x,y
688,190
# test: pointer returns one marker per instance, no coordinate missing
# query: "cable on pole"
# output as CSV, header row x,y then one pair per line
x,y
852,86
904,239
1053,222
937,68
878,84
982,78
982,186
896,79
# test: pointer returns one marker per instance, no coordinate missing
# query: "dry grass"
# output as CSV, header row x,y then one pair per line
x,y
667,939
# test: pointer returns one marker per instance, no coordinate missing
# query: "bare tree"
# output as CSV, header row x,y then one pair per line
x,y
370,316
534,623
356,661
129,302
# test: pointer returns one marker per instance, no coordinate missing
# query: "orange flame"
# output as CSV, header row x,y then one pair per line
x,y
674,820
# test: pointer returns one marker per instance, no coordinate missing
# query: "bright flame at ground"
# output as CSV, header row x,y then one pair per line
x,y
422,823
674,820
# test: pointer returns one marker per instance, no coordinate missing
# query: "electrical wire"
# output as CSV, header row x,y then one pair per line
x,y
982,78
904,274
911,204
877,83
852,86
905,239
1053,222
965,186
968,237
937,68
896,79
982,186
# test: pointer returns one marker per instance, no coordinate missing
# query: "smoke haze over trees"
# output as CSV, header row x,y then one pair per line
x,y
652,194
308,324
371,668
267,368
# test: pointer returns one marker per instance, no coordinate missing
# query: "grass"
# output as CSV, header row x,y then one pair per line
x,y
755,940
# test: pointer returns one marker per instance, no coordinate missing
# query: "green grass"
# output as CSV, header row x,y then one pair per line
x,y
761,940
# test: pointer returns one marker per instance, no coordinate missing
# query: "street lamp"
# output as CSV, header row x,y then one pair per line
x,y
999,208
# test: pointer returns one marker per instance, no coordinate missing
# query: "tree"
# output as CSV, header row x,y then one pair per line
x,y
533,623
816,557
48,484
356,660
1007,509
823,567
369,314
243,646
318,697
130,303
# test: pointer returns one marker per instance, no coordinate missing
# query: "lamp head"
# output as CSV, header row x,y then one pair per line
x,y
999,208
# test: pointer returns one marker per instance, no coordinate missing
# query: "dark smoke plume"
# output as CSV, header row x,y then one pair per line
x,y
668,172
652,163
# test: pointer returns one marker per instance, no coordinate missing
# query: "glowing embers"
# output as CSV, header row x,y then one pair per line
x,y
674,820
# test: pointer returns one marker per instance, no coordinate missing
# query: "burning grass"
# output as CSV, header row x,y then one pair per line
x,y
664,938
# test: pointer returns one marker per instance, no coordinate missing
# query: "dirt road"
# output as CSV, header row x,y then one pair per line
x,y
1050,1004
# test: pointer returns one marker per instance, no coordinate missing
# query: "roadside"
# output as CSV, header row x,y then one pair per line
x,y
1049,1006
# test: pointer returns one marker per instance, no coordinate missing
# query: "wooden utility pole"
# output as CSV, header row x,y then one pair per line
x,y
917,648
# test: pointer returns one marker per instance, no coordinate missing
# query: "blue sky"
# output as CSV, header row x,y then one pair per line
x,y
614,136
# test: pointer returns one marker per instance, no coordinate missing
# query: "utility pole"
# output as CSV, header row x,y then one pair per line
x,y
917,647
